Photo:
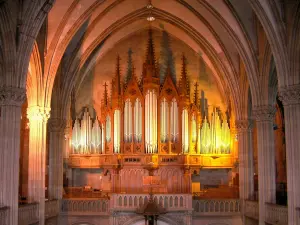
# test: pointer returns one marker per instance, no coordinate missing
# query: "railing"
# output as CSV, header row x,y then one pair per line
x,y
80,192
298,215
216,207
85,207
276,214
28,214
4,215
251,209
171,202
51,208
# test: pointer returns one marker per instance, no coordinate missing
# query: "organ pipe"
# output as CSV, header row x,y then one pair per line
x,y
194,129
76,137
185,131
96,137
108,129
164,121
87,138
151,122
103,139
86,128
174,120
128,121
117,131
138,121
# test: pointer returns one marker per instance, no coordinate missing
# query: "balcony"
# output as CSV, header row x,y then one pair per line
x,y
28,214
276,214
85,207
216,207
3,215
251,209
51,209
171,202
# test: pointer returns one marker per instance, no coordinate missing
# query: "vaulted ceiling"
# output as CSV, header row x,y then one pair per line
x,y
233,37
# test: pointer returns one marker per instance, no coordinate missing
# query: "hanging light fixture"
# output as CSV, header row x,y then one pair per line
x,y
150,17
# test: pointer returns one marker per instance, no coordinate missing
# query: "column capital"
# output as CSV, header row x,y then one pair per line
x,y
290,95
264,112
57,124
242,125
38,113
12,96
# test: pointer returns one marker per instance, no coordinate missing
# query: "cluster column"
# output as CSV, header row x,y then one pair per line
x,y
290,98
11,100
266,157
56,151
38,117
246,182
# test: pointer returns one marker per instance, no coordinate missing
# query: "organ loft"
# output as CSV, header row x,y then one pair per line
x,y
147,123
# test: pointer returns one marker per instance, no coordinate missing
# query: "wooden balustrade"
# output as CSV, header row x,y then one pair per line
x,y
298,215
276,214
216,207
251,209
28,214
85,207
171,202
51,208
4,215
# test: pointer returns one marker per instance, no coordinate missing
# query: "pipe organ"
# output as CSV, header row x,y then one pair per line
x,y
146,116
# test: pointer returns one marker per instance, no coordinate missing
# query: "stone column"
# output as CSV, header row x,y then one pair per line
x,y
246,182
290,98
11,100
38,117
67,152
56,149
266,157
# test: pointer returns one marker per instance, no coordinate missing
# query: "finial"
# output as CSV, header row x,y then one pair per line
x,y
105,94
196,94
150,58
118,77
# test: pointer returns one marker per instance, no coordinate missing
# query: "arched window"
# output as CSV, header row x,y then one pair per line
x,y
137,121
164,121
128,121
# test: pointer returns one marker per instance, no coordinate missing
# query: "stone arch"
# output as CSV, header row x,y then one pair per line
x,y
275,30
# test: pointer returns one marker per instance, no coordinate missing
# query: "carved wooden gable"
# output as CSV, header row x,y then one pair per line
x,y
133,90
169,90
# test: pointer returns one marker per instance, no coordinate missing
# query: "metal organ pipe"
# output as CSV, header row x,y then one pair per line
x,y
103,140
138,121
185,131
151,122
174,120
117,131
107,129
164,120
128,121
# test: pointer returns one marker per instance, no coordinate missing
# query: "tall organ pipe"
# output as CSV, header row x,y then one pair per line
x,y
151,122
117,131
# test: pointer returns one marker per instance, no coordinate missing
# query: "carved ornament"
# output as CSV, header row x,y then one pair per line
x,y
11,96
264,113
290,95
38,113
57,125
